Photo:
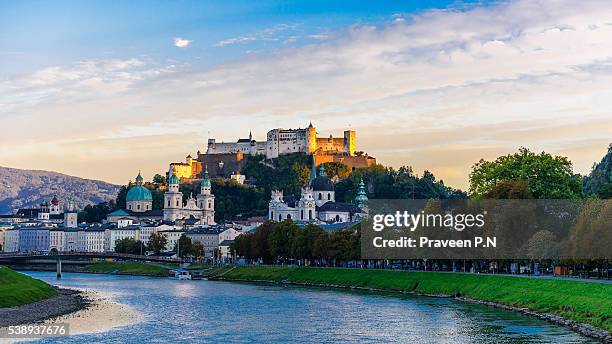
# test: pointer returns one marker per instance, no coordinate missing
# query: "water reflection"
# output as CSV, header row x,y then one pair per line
x,y
202,311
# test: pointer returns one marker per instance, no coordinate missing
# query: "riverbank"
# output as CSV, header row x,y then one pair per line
x,y
17,289
128,268
65,301
584,307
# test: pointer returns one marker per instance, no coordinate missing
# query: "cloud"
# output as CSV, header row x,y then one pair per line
x,y
438,90
181,42
279,32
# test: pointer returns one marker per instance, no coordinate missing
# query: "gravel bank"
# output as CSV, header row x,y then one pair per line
x,y
67,301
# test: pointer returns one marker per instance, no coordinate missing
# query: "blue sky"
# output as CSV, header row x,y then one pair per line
x,y
102,89
36,34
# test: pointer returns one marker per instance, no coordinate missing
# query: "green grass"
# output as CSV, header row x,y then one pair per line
x,y
18,289
129,268
581,301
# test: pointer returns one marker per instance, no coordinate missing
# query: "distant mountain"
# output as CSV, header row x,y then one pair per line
x,y
28,188
599,181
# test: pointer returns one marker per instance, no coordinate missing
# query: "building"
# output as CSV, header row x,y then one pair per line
x,y
317,203
201,208
225,250
139,198
49,212
114,234
139,205
208,237
228,159
11,240
285,141
33,239
172,236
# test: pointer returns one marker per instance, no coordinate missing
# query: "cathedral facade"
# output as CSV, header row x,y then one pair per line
x,y
317,203
201,207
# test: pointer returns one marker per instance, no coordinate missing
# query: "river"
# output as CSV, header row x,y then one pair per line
x,y
212,311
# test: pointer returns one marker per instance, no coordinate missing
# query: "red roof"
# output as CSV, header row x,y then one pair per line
x,y
55,201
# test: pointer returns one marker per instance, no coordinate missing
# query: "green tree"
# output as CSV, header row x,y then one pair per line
x,y
599,181
159,179
510,189
548,177
130,246
157,242
198,250
280,238
303,241
336,169
184,246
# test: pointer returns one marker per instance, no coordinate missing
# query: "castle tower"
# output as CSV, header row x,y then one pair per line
x,y
173,200
312,138
70,215
350,145
206,201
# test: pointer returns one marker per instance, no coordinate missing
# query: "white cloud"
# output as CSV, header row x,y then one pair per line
x,y
277,32
473,72
181,42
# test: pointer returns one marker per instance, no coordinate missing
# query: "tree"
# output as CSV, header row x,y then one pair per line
x,y
159,179
280,238
121,197
96,213
548,177
198,250
510,189
130,246
336,169
157,242
605,192
302,242
599,181
184,246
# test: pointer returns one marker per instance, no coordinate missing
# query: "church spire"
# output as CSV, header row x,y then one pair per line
x,y
313,171
361,194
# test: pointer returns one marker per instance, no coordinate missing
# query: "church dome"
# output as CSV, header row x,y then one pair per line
x,y
322,182
173,179
55,201
139,193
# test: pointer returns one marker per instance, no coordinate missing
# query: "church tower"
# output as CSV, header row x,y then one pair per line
x,y
70,215
173,200
206,201
306,205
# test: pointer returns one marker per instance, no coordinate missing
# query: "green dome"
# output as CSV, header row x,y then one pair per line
x,y
206,180
173,179
139,193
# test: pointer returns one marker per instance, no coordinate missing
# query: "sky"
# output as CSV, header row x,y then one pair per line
x,y
103,89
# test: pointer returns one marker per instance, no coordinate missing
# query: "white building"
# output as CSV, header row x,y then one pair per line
x,y
94,240
112,235
229,234
316,204
201,208
11,240
285,141
172,237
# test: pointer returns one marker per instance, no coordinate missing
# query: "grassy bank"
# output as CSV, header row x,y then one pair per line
x,y
18,289
129,268
580,301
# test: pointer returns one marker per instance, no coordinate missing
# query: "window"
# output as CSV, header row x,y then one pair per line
x,y
310,214
320,196
329,196
301,214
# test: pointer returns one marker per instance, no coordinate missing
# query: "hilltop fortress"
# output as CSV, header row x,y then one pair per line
x,y
227,159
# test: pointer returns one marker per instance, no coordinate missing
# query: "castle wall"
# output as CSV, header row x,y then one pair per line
x,y
350,161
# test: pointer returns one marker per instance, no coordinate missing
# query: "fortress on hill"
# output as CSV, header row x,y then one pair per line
x,y
227,159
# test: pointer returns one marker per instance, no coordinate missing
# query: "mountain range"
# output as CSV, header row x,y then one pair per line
x,y
28,188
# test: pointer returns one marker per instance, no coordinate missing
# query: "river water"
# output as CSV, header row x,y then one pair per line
x,y
212,312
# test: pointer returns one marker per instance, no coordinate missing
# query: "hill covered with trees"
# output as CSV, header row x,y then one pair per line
x,y
28,188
